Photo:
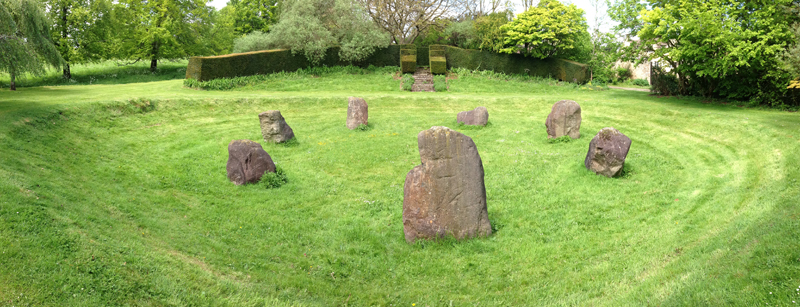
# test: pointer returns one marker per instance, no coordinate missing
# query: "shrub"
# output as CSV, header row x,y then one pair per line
x,y
255,41
274,180
665,84
440,83
641,82
623,74
408,82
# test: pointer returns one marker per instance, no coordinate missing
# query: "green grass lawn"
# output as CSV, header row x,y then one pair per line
x,y
117,195
106,72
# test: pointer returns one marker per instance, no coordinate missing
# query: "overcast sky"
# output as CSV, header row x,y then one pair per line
x,y
583,4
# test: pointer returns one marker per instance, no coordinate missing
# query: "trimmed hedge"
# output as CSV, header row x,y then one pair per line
x,y
270,61
560,69
408,60
438,60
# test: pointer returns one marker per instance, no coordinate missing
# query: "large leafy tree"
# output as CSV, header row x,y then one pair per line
x,y
25,42
313,26
83,30
164,29
488,32
253,15
549,29
720,48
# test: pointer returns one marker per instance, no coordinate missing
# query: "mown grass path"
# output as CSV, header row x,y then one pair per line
x,y
105,200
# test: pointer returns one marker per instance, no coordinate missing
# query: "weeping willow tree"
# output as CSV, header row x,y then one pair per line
x,y
25,42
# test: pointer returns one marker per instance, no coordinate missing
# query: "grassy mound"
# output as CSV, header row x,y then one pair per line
x,y
117,195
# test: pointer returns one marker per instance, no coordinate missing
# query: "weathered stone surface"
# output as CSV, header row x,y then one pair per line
x,y
247,162
356,112
564,119
445,195
607,152
274,128
477,117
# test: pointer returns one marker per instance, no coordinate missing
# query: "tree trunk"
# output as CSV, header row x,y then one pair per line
x,y
154,57
65,34
67,73
13,85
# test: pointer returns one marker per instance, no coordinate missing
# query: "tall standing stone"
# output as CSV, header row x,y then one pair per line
x,y
247,162
477,117
607,152
356,112
445,195
274,128
564,119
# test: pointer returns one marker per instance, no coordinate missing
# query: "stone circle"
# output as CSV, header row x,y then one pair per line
x,y
445,195
274,127
477,117
607,152
247,162
564,119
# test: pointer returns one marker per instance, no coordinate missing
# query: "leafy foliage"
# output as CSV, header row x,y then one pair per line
x,y
640,82
488,32
312,27
83,30
717,48
274,180
546,30
439,83
461,34
25,42
407,82
163,29
253,15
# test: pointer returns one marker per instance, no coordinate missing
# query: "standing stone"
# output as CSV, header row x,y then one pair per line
x,y
564,119
477,117
274,128
607,152
247,162
356,112
445,195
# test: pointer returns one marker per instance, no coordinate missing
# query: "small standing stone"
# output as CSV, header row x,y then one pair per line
x,y
247,162
274,128
477,117
356,112
564,119
445,195
607,152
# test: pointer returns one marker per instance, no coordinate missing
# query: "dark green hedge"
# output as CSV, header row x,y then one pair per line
x,y
563,70
422,56
270,61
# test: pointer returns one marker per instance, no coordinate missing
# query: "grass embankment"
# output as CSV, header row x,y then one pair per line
x,y
108,200
107,72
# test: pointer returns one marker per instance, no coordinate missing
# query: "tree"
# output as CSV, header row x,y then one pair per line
x,y
253,15
721,48
405,20
546,30
158,29
82,30
25,42
313,26
488,33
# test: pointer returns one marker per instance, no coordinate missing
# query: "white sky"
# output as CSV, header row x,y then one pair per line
x,y
586,5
